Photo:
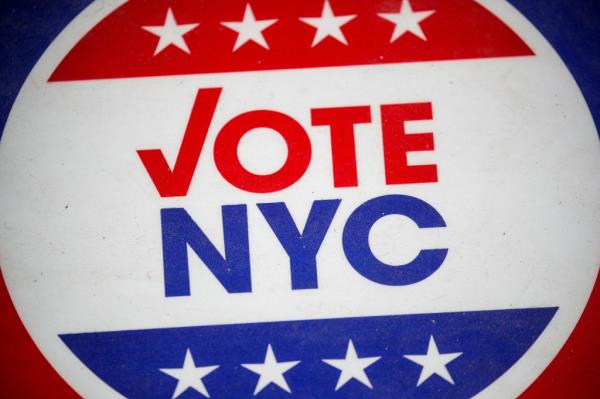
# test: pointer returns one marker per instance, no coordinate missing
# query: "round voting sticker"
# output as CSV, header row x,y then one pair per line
x,y
311,199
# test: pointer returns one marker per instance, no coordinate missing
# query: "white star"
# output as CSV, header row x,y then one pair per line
x,y
271,371
433,362
190,376
249,29
352,367
407,20
328,25
170,33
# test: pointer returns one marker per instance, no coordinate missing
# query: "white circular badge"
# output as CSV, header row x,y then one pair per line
x,y
322,199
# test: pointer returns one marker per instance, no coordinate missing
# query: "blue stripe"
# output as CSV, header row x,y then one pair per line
x,y
490,343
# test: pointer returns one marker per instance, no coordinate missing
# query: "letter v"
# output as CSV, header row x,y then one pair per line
x,y
176,182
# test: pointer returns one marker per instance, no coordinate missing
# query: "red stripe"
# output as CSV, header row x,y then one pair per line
x,y
119,47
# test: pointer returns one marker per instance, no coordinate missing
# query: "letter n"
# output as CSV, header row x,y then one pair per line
x,y
180,231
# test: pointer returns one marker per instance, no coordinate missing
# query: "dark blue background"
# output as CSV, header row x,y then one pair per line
x,y
28,26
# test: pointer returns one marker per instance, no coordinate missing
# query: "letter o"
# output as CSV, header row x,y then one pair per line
x,y
230,167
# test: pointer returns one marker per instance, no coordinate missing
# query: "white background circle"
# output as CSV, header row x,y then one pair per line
x,y
517,156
